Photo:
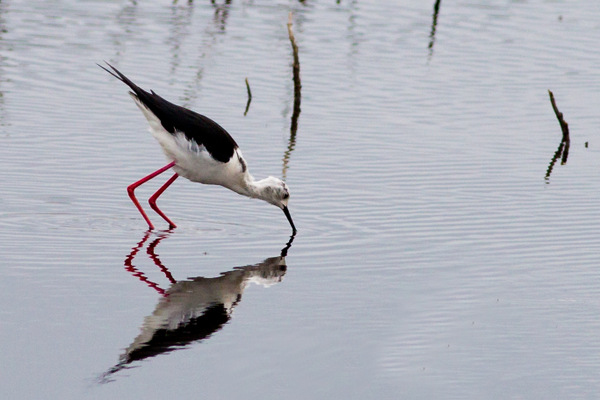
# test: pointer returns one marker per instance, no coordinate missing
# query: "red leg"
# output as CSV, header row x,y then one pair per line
x,y
152,201
134,185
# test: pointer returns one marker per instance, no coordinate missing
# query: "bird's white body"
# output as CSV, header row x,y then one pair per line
x,y
194,162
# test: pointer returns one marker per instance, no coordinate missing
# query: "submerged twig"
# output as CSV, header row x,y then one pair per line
x,y
249,97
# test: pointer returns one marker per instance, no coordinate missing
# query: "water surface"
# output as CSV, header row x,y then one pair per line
x,y
435,258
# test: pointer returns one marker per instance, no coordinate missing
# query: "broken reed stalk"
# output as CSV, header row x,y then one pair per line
x,y
564,127
436,11
249,97
563,124
248,89
563,148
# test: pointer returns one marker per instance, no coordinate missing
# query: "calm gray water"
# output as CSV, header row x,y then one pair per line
x,y
435,258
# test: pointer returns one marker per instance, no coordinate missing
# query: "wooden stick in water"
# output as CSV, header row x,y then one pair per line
x,y
249,97
563,124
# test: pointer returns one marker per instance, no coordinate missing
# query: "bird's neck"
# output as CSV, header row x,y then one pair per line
x,y
255,188
258,189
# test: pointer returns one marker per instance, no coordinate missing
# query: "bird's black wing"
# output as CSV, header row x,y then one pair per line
x,y
202,130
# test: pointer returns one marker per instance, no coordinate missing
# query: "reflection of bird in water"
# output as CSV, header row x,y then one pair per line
x,y
193,309
200,150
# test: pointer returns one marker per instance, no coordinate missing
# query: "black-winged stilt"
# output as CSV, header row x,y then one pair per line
x,y
200,150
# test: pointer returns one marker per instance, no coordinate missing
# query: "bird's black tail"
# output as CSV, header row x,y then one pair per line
x,y
137,91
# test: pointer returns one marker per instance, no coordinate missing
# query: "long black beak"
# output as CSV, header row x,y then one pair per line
x,y
289,217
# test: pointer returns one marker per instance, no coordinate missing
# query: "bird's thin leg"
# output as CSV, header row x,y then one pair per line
x,y
152,201
134,185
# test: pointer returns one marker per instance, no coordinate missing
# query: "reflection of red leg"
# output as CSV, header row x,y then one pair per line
x,y
134,185
137,273
157,262
134,251
152,201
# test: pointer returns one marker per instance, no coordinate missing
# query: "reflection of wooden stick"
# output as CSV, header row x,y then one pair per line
x,y
297,87
287,154
563,124
249,97
557,154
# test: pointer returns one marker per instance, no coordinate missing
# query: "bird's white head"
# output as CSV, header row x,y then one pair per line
x,y
275,191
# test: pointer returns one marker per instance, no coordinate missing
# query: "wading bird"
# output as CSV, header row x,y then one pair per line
x,y
200,150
